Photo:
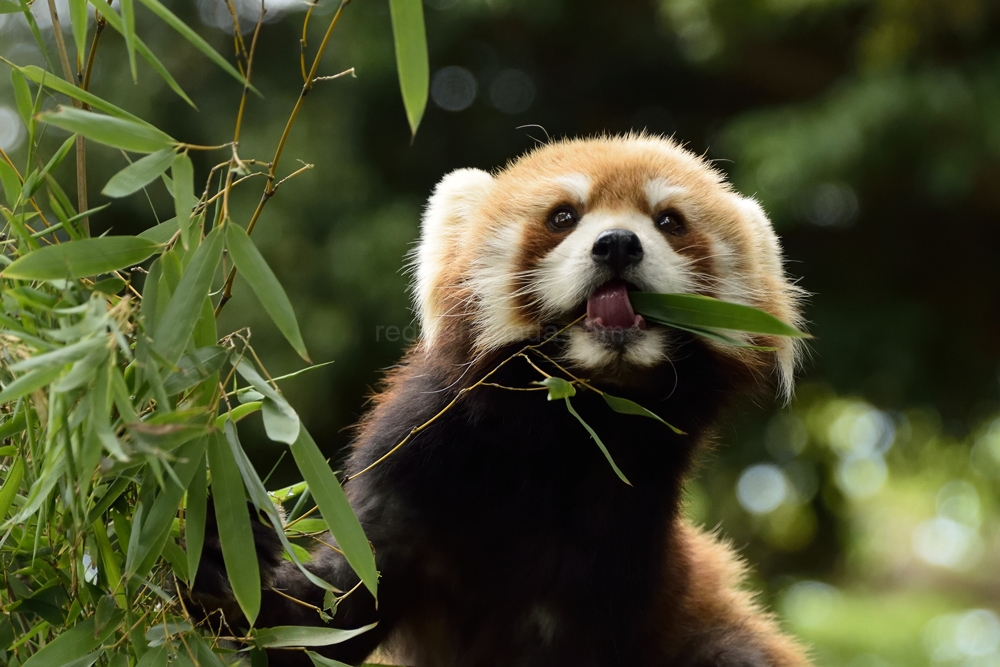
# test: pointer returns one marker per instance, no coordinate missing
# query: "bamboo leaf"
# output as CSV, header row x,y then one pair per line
x,y
9,7
265,285
139,174
195,367
175,326
73,643
558,388
597,439
86,257
146,545
262,501
278,414
194,519
35,179
320,661
116,22
41,77
411,57
22,95
721,336
10,487
128,17
10,182
235,533
28,383
109,130
78,20
162,232
627,407
182,172
705,312
293,635
191,36
336,510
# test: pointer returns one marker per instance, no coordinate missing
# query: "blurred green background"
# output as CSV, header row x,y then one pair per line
x,y
870,130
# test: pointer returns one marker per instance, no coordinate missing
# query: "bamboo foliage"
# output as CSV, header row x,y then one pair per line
x,y
120,399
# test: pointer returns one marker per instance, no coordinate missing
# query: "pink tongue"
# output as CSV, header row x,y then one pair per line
x,y
609,307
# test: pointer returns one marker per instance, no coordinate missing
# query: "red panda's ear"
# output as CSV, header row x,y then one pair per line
x,y
779,294
453,203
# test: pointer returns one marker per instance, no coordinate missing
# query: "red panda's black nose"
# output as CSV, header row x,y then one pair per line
x,y
617,248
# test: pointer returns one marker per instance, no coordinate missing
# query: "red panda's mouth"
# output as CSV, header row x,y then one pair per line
x,y
610,308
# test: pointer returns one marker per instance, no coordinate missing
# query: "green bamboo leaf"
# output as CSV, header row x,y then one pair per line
x,y
705,312
558,388
73,643
182,172
627,407
155,657
411,57
190,35
28,383
139,174
116,22
284,636
162,232
13,426
78,19
279,415
235,533
600,443
262,501
109,130
237,413
194,519
265,285
22,95
320,661
41,77
145,547
86,257
195,367
337,512
35,179
9,7
10,487
10,182
29,18
128,16
175,326
720,336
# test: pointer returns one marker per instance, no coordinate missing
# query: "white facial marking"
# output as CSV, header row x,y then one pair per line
x,y
577,185
659,193
492,281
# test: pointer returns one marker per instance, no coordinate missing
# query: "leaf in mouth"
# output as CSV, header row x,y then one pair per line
x,y
704,316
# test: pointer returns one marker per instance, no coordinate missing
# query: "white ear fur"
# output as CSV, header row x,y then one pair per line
x,y
788,295
454,200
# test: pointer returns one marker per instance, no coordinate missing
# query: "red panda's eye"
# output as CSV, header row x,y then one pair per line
x,y
671,222
562,218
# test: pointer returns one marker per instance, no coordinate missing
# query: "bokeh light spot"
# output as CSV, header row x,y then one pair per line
x,y
862,476
811,603
762,488
512,91
946,543
453,88
11,129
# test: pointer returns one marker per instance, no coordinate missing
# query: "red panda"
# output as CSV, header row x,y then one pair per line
x,y
502,535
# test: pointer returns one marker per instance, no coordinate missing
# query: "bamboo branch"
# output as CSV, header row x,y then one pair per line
x,y
270,188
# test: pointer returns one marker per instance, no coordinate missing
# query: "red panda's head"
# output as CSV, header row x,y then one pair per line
x,y
565,231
